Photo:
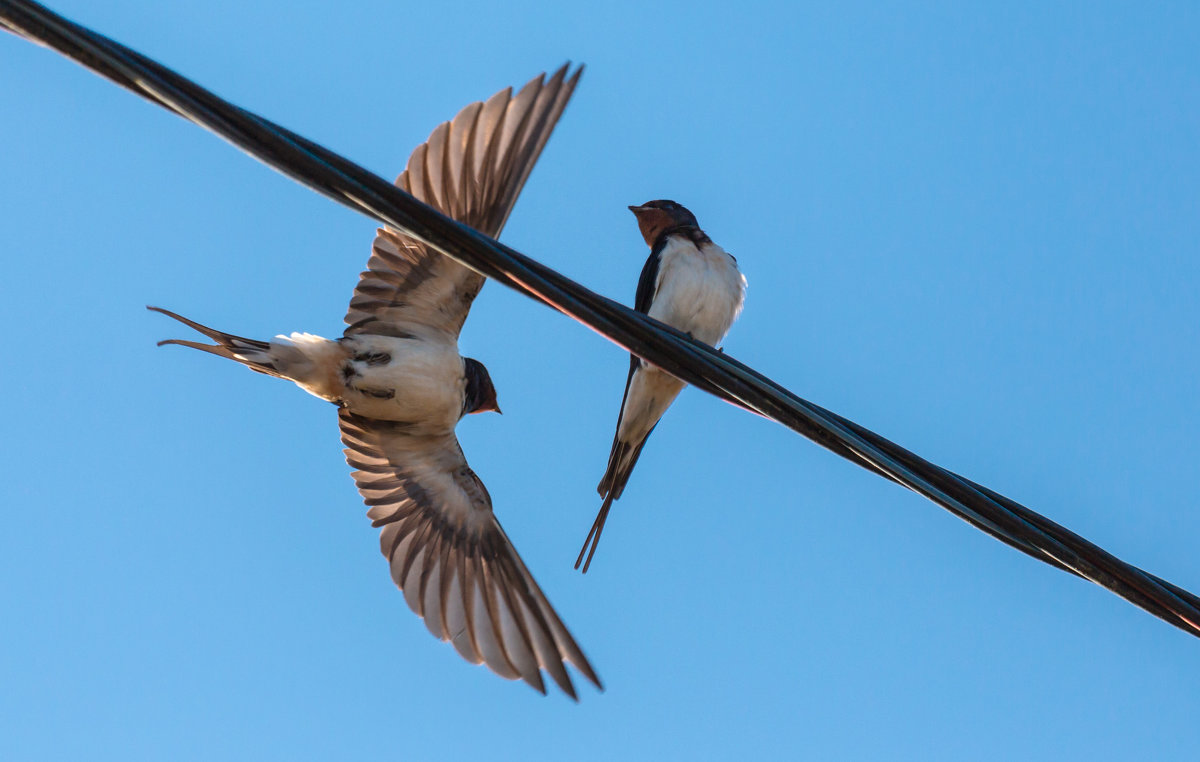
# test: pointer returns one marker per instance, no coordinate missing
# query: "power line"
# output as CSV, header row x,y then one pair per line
x,y
698,364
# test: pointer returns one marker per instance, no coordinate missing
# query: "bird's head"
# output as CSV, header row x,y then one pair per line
x,y
480,396
657,217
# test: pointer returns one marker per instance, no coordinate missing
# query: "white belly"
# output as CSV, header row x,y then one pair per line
x,y
699,290
419,382
651,392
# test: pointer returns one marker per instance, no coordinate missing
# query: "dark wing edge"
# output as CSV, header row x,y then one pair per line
x,y
643,298
623,456
451,558
471,168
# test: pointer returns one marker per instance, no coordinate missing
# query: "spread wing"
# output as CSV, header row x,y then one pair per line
x,y
450,557
471,168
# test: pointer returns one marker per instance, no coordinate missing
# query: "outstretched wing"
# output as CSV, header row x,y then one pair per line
x,y
449,555
472,169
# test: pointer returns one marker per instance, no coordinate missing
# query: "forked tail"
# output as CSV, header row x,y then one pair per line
x,y
593,538
254,354
621,461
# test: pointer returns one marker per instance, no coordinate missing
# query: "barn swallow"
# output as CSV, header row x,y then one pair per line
x,y
689,283
401,388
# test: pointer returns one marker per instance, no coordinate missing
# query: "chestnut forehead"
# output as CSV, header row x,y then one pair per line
x,y
655,217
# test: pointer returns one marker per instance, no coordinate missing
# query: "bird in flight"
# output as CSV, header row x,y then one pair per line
x,y
401,388
689,283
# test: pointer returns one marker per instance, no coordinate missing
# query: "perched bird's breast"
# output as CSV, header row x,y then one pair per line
x,y
408,380
699,289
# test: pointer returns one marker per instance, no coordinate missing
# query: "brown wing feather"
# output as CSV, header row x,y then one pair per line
x,y
471,168
450,557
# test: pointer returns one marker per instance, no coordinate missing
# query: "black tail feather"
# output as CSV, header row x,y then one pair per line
x,y
621,460
228,345
227,340
608,483
593,538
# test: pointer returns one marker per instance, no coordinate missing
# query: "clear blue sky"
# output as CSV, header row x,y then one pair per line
x,y
974,231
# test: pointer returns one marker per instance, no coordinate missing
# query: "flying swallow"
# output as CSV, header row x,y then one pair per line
x,y
401,388
689,283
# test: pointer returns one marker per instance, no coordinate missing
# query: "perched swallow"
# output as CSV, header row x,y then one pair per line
x,y
689,283
401,388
